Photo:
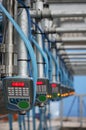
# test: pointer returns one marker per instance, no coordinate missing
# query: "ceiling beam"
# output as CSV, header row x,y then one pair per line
x,y
63,53
72,47
73,39
74,56
57,14
66,30
66,1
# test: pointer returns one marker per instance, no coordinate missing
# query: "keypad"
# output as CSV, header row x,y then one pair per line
x,y
17,100
18,91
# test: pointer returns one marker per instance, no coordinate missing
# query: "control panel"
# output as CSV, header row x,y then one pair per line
x,y
55,90
42,91
18,93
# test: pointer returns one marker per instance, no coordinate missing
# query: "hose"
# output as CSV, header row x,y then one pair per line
x,y
27,43
42,32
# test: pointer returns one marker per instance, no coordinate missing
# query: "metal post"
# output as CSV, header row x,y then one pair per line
x,y
61,113
81,111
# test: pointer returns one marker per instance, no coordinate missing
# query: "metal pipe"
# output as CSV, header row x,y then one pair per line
x,y
22,50
74,57
75,60
73,39
72,47
56,14
54,74
8,38
65,30
63,53
77,64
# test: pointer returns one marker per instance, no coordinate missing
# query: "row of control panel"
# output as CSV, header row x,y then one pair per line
x,y
19,93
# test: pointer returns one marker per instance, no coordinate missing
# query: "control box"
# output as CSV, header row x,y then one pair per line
x,y
42,91
55,91
18,93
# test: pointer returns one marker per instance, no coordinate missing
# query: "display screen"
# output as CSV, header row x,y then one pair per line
x,y
39,83
54,85
41,87
17,84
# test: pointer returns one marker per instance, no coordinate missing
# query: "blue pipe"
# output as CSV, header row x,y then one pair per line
x,y
28,117
42,32
27,43
10,121
24,125
20,122
42,53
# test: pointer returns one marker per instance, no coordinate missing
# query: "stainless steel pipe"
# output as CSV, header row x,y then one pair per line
x,y
22,50
8,37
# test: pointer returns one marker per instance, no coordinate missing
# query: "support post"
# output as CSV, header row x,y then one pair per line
x,y
81,111
61,113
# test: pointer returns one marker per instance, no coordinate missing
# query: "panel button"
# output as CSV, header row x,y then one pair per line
x,y
23,104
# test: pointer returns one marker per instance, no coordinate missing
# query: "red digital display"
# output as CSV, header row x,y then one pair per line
x,y
18,84
54,85
39,83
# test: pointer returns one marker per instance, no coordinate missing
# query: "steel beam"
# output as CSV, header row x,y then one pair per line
x,y
72,47
76,64
81,73
74,43
75,61
65,1
78,67
74,57
73,39
66,30
56,14
63,53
